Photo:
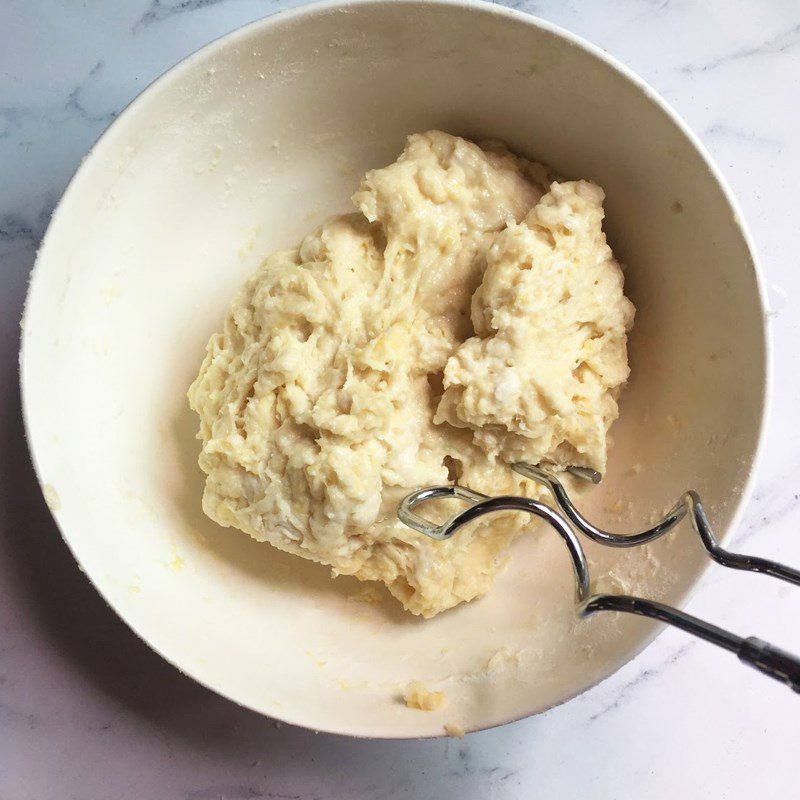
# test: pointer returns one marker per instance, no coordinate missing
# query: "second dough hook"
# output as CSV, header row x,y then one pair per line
x,y
755,652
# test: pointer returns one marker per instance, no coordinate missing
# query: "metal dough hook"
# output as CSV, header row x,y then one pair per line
x,y
688,504
755,652
482,504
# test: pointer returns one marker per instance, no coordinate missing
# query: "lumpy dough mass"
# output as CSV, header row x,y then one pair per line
x,y
469,314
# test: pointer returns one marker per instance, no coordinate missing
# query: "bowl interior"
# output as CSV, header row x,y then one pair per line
x,y
240,150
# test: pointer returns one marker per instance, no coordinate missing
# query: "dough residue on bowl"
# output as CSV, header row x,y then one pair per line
x,y
469,314
454,730
417,696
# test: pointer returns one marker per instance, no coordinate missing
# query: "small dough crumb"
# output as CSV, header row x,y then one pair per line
x,y
618,506
417,696
51,497
456,731
316,659
502,659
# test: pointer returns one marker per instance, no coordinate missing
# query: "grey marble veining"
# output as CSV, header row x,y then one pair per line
x,y
89,712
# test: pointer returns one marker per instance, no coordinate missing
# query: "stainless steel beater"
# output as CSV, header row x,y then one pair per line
x,y
757,653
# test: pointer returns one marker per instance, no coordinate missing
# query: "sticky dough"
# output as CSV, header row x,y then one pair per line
x,y
467,315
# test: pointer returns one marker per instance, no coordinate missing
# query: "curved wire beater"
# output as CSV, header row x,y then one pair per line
x,y
689,504
733,560
673,517
480,505
761,655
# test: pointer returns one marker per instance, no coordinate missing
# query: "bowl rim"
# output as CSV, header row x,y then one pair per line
x,y
483,7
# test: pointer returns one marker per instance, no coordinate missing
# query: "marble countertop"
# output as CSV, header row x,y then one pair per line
x,y
88,712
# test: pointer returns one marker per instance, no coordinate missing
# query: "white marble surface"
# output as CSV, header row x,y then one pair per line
x,y
86,711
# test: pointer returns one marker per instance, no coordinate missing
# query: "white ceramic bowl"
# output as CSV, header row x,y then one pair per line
x,y
239,150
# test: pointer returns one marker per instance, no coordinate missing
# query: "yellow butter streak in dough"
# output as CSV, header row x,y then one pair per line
x,y
469,314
